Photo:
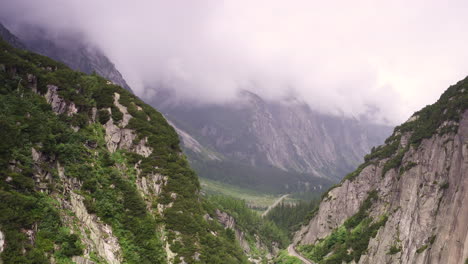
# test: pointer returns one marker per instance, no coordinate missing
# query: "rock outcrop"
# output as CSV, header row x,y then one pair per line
x,y
422,188
119,137
59,105
2,244
2,241
98,236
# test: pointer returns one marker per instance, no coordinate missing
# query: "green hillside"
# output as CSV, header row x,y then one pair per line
x,y
55,158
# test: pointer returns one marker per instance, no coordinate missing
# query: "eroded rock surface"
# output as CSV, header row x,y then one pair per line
x,y
58,104
119,137
97,236
426,204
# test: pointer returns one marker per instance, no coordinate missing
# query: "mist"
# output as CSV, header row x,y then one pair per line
x,y
383,59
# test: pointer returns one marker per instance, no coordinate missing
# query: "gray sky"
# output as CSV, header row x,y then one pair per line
x,y
339,56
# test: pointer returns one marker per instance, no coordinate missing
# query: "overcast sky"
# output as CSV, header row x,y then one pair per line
x,y
339,56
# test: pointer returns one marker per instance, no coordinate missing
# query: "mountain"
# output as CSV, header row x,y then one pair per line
x,y
67,48
91,174
10,38
407,202
279,146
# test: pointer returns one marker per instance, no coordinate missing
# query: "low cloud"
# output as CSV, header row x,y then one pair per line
x,y
386,59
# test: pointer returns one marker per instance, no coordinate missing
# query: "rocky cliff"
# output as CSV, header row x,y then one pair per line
x,y
283,143
407,202
91,174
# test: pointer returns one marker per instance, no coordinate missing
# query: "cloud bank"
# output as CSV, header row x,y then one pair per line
x,y
350,57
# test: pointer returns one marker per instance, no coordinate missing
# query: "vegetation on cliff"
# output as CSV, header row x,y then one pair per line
x,y
30,213
415,143
350,240
289,217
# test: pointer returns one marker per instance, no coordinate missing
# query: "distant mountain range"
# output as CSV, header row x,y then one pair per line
x,y
280,146
272,146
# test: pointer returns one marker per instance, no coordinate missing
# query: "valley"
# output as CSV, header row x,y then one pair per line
x,y
92,173
255,200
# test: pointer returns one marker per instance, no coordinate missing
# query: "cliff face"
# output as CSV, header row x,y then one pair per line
x,y
66,48
305,148
412,192
91,174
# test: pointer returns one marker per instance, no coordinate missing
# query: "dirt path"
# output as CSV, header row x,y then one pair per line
x,y
292,252
275,204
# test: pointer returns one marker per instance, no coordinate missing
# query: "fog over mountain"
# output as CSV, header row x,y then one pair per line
x,y
364,58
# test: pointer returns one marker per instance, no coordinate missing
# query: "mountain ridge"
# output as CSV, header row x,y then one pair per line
x,y
405,203
66,48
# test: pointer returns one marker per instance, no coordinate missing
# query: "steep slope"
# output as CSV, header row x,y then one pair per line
x,y
91,174
68,49
259,238
10,38
407,202
284,145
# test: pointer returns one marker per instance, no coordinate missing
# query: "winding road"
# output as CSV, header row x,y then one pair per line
x,y
274,204
292,252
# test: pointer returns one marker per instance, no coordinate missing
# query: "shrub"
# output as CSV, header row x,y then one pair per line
x,y
394,249
444,185
116,114
103,116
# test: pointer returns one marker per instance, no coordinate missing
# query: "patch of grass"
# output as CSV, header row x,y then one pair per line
x,y
394,249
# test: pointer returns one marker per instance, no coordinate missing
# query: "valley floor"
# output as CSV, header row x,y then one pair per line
x,y
258,201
